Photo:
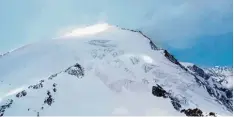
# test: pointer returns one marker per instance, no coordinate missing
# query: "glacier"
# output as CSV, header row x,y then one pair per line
x,y
114,71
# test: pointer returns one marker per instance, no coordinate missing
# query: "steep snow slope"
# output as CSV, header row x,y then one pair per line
x,y
113,72
217,81
221,74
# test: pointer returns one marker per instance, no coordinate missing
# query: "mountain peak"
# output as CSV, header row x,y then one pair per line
x,y
113,72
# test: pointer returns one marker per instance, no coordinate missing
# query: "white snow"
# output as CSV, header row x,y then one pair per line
x,y
120,69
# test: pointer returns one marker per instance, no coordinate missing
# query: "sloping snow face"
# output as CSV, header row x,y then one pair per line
x,y
115,71
222,74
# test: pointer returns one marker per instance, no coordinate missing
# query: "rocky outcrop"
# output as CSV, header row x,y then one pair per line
x,y
173,59
192,112
37,86
49,100
196,112
198,71
21,94
5,106
151,43
76,70
158,91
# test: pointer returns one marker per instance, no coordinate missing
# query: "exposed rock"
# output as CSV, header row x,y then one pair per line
x,y
54,85
49,100
21,94
192,112
212,114
38,114
52,76
4,107
54,89
173,59
176,103
37,86
222,94
152,45
76,70
159,91
200,72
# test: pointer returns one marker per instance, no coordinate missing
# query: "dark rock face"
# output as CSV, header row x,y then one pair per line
x,y
200,72
54,85
152,45
173,59
212,114
223,95
4,107
37,86
21,94
52,76
159,91
215,89
76,70
192,112
49,100
228,92
176,103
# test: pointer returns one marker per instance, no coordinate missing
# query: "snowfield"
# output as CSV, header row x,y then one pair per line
x,y
114,71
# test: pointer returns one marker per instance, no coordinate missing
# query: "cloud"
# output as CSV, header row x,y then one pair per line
x,y
89,30
175,22
180,24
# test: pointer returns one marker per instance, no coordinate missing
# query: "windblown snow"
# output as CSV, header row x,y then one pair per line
x,y
114,71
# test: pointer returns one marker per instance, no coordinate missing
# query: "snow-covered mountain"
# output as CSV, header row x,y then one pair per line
x,y
113,71
222,74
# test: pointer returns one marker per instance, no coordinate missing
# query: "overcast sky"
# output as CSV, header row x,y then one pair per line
x,y
177,25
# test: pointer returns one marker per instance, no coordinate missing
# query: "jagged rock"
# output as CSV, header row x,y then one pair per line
x,y
54,89
192,112
170,57
159,91
153,46
21,94
5,106
228,92
76,70
176,103
37,86
52,76
199,71
173,59
49,100
212,114
54,85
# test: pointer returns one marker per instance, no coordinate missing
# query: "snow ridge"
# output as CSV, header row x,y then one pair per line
x,y
119,69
